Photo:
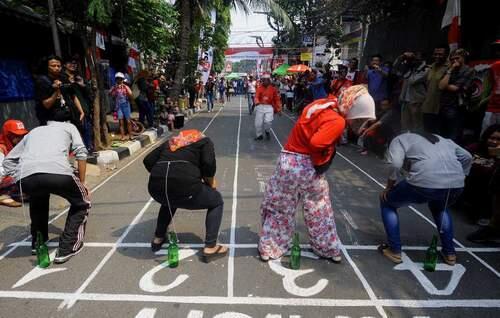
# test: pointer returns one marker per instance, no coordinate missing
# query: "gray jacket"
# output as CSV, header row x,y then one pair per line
x,y
45,150
414,88
442,165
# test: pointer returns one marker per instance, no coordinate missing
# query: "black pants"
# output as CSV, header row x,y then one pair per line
x,y
39,187
451,123
206,198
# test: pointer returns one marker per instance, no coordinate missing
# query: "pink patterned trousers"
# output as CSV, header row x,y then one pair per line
x,y
295,180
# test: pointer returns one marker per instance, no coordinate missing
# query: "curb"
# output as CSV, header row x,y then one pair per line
x,y
109,157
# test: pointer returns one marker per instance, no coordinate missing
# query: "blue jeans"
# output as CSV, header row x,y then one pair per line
x,y
251,102
404,194
210,101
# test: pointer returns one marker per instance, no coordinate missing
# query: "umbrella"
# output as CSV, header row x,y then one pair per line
x,y
299,68
281,70
232,75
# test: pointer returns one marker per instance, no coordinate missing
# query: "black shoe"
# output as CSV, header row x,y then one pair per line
x,y
268,135
62,257
155,247
259,138
484,234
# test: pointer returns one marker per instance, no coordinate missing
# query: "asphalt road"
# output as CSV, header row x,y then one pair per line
x,y
117,275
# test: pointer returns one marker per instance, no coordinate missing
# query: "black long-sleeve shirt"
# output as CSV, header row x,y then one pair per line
x,y
188,166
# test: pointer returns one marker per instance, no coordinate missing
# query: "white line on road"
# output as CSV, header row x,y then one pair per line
x,y
480,260
265,301
74,298
254,245
146,150
232,240
213,118
360,275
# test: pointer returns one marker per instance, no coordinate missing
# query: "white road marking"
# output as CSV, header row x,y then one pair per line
x,y
349,219
262,186
213,118
232,314
363,281
416,269
146,313
276,137
360,276
36,273
195,314
290,275
232,240
147,283
264,301
480,260
74,298
253,245
146,150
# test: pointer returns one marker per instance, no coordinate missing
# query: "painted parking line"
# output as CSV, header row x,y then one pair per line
x,y
263,301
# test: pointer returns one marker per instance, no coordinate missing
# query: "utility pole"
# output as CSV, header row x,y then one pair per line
x,y
53,26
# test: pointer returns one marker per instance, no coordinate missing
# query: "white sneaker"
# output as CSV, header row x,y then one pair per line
x,y
337,259
264,258
63,258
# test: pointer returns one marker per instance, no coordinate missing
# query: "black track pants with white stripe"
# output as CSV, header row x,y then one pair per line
x,y
39,187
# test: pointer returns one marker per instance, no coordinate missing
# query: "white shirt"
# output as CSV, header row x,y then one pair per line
x,y
251,86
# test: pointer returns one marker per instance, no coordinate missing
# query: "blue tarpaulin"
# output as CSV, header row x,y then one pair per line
x,y
16,82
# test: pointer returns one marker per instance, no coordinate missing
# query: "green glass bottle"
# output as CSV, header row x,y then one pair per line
x,y
431,256
295,254
42,251
173,251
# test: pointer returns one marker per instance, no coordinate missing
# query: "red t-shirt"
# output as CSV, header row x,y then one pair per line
x,y
494,104
317,130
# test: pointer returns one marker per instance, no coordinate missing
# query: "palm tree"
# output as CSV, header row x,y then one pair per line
x,y
189,10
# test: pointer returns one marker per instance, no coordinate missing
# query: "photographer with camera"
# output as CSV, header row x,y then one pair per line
x,y
54,97
413,70
455,93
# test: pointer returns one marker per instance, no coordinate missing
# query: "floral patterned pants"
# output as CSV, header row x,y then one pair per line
x,y
295,180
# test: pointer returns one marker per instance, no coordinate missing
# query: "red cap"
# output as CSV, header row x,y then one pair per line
x,y
15,127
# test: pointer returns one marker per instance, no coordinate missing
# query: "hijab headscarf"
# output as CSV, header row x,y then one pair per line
x,y
355,102
185,138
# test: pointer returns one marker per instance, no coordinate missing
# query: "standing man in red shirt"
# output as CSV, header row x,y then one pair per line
x,y
267,102
492,115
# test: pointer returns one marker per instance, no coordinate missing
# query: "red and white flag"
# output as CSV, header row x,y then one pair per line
x,y
451,18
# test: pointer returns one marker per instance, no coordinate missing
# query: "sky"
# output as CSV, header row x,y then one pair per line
x,y
244,26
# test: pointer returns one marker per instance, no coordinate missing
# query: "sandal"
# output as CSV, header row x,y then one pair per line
x,y
386,251
11,203
155,247
220,252
449,259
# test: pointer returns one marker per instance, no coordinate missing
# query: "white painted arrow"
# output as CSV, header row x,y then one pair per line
x,y
290,275
147,283
38,272
417,269
146,313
